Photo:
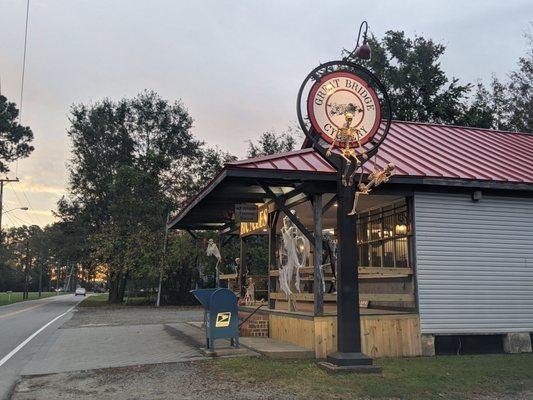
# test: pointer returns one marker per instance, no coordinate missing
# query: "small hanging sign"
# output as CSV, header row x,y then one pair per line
x,y
246,213
259,227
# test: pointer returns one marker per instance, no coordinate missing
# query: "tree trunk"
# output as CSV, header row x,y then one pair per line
x,y
114,283
117,287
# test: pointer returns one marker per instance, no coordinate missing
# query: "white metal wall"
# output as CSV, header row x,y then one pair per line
x,y
474,263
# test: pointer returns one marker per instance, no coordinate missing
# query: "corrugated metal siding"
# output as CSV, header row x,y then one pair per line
x,y
474,263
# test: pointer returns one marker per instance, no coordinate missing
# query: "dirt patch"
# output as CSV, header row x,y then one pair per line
x,y
162,381
104,316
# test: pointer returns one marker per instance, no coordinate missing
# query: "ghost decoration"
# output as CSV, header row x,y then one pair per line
x,y
294,255
212,250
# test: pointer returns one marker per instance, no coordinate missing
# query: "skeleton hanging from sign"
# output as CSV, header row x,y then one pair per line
x,y
348,136
377,177
293,256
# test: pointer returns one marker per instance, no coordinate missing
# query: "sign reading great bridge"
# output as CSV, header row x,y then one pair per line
x,y
344,109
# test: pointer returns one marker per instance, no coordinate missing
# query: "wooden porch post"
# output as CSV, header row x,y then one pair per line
x,y
242,267
318,286
272,261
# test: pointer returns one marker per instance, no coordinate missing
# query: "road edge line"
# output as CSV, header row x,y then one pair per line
x,y
29,338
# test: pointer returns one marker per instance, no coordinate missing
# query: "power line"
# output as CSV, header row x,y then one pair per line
x,y
21,220
2,182
10,219
31,208
24,60
21,203
23,74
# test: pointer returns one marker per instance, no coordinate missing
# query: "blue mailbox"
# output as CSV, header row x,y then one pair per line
x,y
221,318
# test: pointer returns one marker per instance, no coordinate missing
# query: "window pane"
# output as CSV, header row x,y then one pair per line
x,y
388,254
388,224
364,256
402,254
375,256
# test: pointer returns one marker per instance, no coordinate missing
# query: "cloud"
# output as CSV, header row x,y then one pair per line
x,y
27,185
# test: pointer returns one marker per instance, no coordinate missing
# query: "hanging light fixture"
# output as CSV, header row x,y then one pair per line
x,y
363,52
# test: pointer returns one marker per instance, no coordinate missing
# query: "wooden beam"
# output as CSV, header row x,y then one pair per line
x,y
392,272
242,267
272,262
224,277
302,198
328,205
192,234
331,297
318,284
281,205
385,271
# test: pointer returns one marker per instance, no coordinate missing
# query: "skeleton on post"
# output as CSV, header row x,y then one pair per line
x,y
348,135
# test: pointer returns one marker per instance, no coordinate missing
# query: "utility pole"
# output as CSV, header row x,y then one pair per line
x,y
26,271
40,279
158,301
2,181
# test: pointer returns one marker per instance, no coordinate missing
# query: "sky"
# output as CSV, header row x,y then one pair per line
x,y
236,65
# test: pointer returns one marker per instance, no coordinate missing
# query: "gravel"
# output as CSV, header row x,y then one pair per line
x,y
189,380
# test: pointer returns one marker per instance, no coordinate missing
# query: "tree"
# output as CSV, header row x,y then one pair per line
x,y
418,88
480,112
521,92
27,253
133,162
15,139
271,142
191,174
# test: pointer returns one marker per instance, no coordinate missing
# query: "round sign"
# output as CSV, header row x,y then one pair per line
x,y
344,109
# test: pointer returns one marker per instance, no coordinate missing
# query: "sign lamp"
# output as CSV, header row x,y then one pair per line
x,y
362,52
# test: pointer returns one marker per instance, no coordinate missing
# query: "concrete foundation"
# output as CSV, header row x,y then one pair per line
x,y
517,343
428,345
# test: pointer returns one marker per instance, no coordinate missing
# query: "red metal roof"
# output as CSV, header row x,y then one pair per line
x,y
429,150
298,160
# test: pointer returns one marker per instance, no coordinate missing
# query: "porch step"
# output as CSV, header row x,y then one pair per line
x,y
194,335
273,348
267,347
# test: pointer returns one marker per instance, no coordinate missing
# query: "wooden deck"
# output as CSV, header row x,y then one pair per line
x,y
383,333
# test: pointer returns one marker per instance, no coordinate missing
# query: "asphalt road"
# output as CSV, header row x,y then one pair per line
x,y
24,327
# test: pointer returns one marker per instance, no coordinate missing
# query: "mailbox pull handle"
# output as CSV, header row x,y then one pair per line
x,y
248,317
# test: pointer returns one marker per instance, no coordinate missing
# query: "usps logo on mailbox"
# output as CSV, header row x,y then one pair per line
x,y
223,320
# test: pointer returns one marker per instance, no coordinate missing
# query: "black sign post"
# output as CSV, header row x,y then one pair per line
x,y
322,123
349,354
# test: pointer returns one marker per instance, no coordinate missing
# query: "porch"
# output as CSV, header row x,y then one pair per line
x,y
303,193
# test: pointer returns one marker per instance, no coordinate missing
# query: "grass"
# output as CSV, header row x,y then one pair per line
x,y
15,297
100,300
96,300
443,377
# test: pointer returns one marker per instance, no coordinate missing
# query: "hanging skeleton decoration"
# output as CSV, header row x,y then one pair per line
x,y
212,250
377,177
293,256
348,109
249,297
347,136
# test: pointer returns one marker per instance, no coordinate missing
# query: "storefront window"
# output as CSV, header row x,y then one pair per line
x,y
383,237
